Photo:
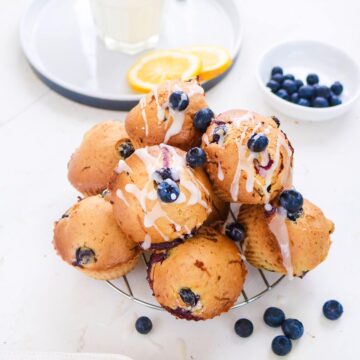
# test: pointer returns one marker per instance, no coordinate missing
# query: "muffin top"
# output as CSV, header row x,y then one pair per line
x,y
165,115
168,199
249,157
91,166
200,278
87,236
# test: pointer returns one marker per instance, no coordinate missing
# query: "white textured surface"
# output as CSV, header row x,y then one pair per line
x,y
45,305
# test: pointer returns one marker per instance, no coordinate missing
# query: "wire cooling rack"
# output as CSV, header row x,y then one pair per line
x,y
134,285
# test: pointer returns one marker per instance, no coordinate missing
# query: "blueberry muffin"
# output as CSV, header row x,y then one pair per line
x,y
249,159
157,198
285,241
200,278
88,238
91,166
166,115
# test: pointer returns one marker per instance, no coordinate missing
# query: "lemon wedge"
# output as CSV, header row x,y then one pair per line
x,y
214,59
158,66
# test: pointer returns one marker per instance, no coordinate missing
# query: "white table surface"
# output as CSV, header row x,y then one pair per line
x,y
46,305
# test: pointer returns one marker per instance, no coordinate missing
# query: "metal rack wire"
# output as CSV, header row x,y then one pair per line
x,y
126,289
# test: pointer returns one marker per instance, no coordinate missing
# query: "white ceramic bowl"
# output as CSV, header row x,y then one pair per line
x,y
301,58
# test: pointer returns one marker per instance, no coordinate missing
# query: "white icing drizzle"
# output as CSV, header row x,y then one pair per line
x,y
147,242
160,110
122,166
205,139
277,226
220,172
142,104
121,196
246,117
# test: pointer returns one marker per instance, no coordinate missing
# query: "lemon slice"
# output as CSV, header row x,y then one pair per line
x,y
159,66
215,60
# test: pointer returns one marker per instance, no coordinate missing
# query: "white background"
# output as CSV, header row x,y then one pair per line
x,y
46,305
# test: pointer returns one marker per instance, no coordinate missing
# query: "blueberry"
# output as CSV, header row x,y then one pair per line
x,y
322,90
273,85
278,78
337,88
235,231
276,70
258,142
303,102
334,100
292,201
179,100
312,79
143,325
274,316
289,77
282,93
293,328
332,310
126,149
295,98
306,91
219,133
168,191
203,118
320,102
289,86
195,157
299,83
188,297
165,173
84,256
244,328
281,345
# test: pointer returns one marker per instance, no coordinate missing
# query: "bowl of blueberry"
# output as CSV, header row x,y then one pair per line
x,y
309,80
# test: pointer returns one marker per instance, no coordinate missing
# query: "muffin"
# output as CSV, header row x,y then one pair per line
x,y
200,278
91,166
291,246
88,238
166,115
249,159
168,199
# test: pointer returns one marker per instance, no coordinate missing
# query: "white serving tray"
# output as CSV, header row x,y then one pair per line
x,y
59,41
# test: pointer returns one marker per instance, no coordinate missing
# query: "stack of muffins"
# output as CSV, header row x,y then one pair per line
x,y
201,192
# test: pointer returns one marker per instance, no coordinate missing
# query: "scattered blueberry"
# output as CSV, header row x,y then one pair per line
x,y
244,328
276,70
188,297
165,173
219,133
292,201
195,157
293,328
299,83
143,325
320,102
179,100
273,85
282,93
168,191
312,79
274,316
203,118
84,256
295,97
332,310
258,142
235,231
289,77
334,100
278,77
337,88
126,149
303,102
322,90
306,91
281,345
289,85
